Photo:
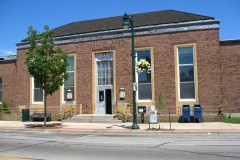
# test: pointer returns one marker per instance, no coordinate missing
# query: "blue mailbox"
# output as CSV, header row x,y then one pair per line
x,y
198,112
186,113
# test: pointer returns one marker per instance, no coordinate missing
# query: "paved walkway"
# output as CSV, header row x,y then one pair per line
x,y
123,127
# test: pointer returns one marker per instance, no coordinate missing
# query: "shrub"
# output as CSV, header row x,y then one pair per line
x,y
5,107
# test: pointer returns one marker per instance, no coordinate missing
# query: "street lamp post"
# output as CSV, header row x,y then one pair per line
x,y
128,22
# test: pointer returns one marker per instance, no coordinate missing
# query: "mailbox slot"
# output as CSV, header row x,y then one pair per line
x,y
198,112
142,109
186,113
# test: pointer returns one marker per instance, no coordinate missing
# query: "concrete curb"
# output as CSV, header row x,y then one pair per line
x,y
120,131
122,128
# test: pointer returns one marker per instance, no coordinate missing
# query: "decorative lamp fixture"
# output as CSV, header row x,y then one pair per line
x,y
122,93
69,95
125,24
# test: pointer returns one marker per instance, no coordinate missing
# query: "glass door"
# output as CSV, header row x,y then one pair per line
x,y
101,104
104,101
104,83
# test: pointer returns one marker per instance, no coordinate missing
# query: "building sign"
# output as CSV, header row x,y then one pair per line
x,y
153,118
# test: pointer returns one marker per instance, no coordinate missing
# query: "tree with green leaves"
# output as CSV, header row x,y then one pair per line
x,y
161,101
46,63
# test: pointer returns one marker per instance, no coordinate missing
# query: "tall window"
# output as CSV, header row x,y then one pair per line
x,y
0,89
104,68
144,78
69,84
186,73
37,93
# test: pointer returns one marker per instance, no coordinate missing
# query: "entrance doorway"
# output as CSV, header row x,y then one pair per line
x,y
104,81
104,101
108,93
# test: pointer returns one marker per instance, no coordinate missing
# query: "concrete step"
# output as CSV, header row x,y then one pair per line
x,y
92,118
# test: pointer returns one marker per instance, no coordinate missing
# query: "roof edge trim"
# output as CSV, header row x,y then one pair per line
x,y
143,30
230,42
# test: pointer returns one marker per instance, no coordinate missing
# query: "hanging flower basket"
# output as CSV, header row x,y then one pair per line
x,y
142,65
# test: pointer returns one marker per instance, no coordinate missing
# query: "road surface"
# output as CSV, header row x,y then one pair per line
x,y
50,145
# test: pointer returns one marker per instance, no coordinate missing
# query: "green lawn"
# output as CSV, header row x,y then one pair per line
x,y
232,120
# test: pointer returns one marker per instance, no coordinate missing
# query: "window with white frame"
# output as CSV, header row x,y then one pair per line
x,y
69,83
37,93
144,78
186,76
0,89
104,68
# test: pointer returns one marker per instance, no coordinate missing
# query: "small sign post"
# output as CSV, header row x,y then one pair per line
x,y
153,118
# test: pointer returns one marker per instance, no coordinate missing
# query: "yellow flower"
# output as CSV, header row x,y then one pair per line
x,y
143,65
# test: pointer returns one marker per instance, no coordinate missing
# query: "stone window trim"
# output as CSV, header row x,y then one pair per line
x,y
63,89
177,71
150,49
33,93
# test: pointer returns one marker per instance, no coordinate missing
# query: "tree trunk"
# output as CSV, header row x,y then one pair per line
x,y
159,122
45,110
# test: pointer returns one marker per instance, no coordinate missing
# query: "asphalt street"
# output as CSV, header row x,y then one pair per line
x,y
50,145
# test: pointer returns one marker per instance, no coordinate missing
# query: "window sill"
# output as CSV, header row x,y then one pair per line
x,y
66,102
37,103
142,101
187,100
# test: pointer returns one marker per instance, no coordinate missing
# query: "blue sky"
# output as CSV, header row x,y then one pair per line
x,y
17,15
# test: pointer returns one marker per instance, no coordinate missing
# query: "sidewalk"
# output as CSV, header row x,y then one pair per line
x,y
208,127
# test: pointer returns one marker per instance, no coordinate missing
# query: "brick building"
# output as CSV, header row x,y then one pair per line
x,y
183,49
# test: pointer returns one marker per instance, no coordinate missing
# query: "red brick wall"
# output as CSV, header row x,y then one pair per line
x,y
23,81
207,43
231,77
23,86
83,72
8,75
209,63
208,57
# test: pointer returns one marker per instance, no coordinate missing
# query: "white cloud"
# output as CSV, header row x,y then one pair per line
x,y
6,52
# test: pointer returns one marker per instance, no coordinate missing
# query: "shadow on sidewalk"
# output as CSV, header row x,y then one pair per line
x,y
121,126
41,126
